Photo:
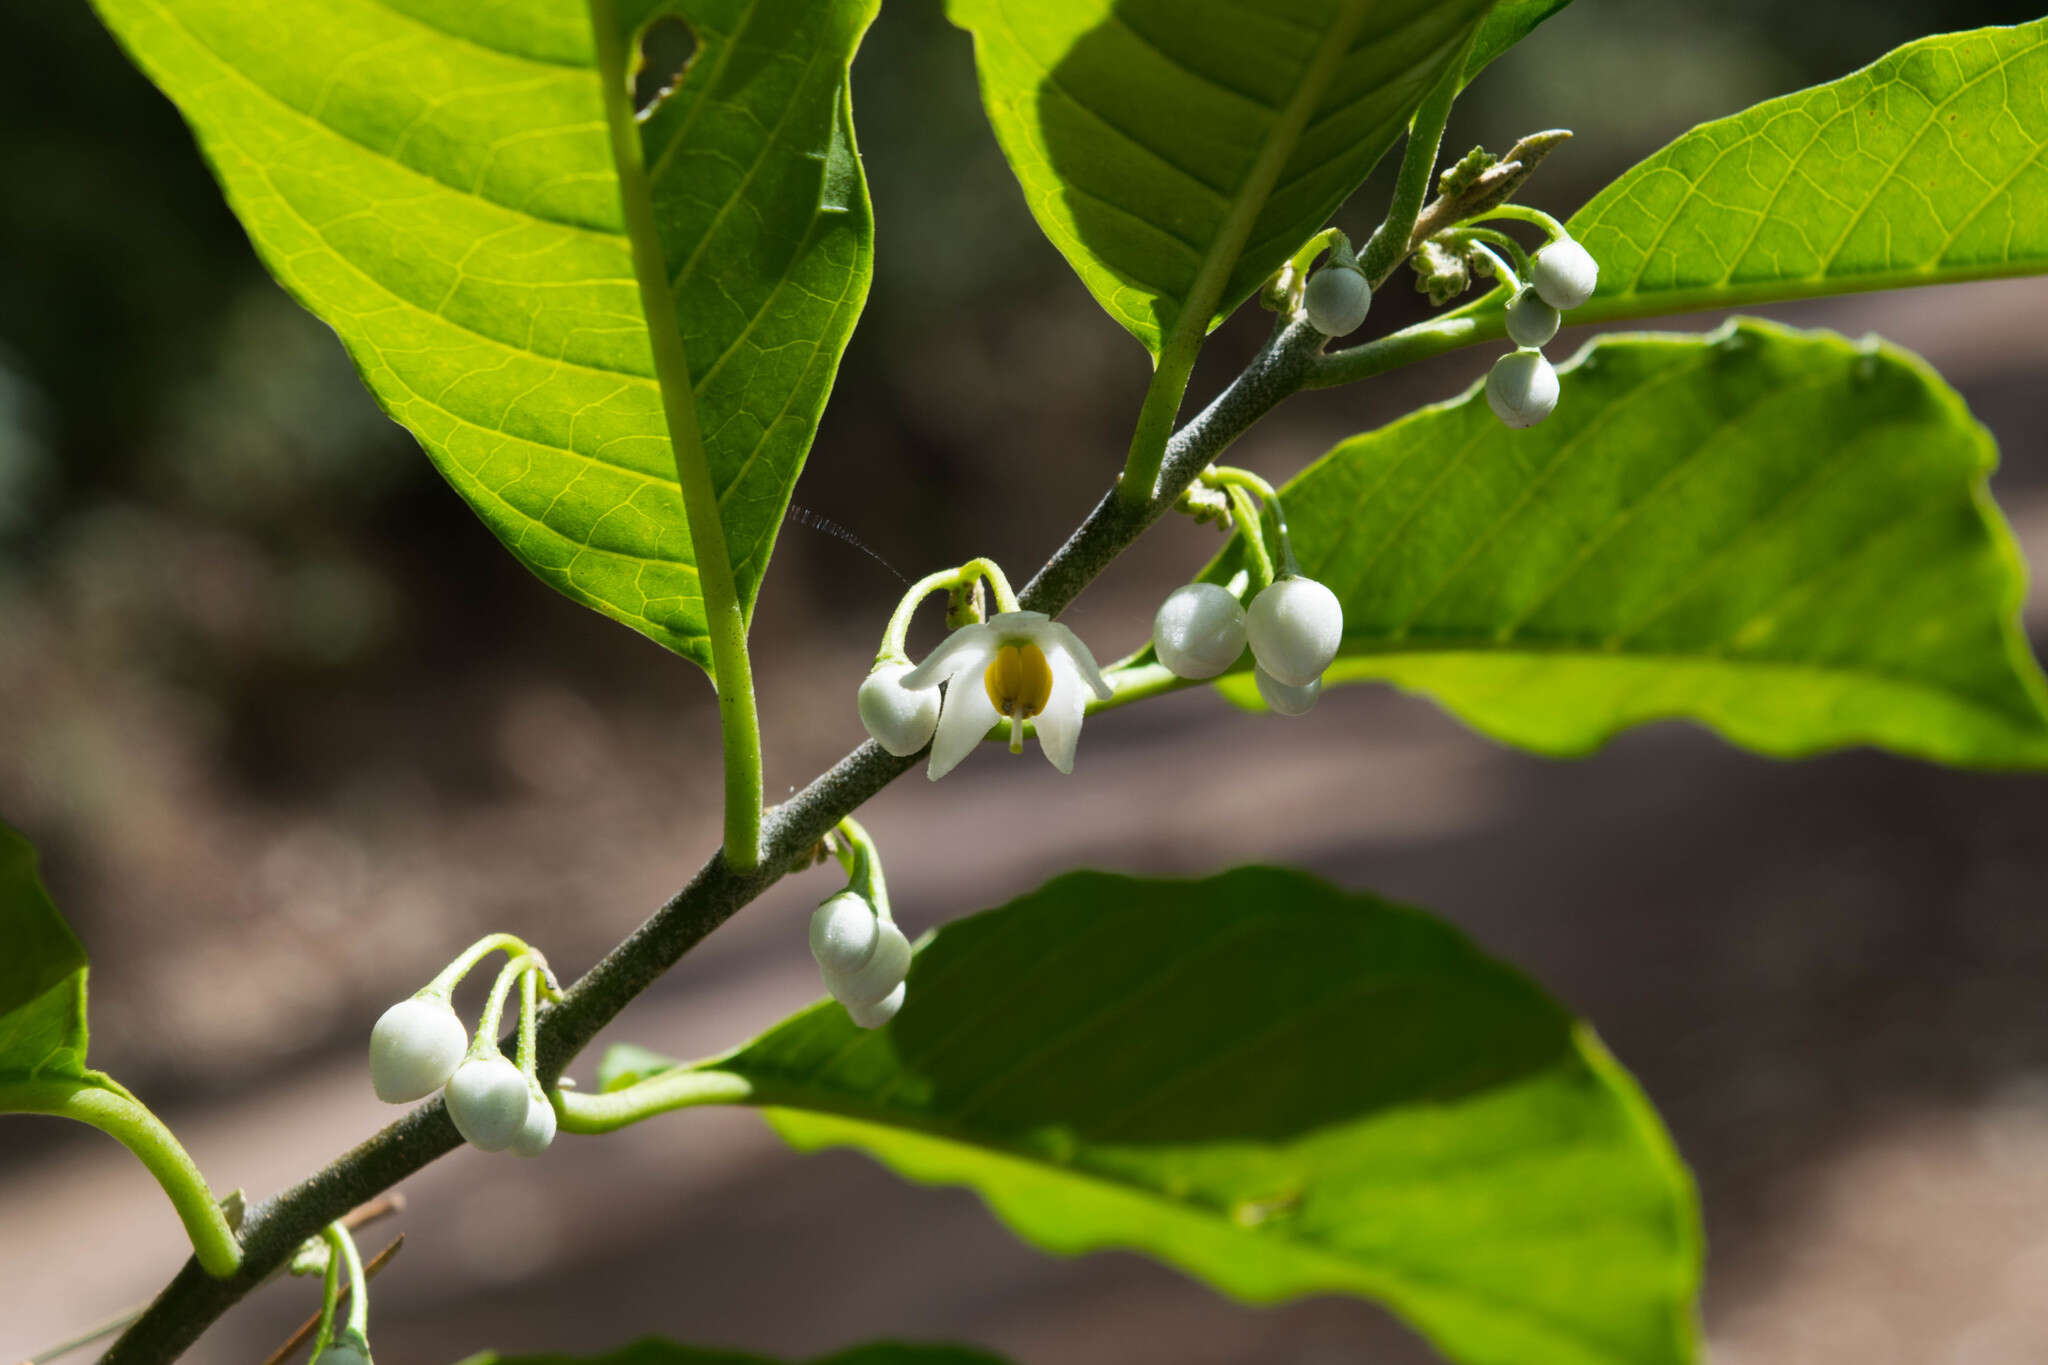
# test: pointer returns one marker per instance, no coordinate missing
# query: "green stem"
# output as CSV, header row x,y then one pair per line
x,y
1252,528
128,1121
1524,214
1224,476
945,580
1509,277
658,1094
1389,242
528,1011
863,863
1162,405
489,1023
726,619
451,975
1406,347
330,1294
1517,257
358,1283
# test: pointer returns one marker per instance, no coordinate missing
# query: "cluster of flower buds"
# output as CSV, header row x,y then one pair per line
x,y
1294,628
862,956
420,1045
1522,389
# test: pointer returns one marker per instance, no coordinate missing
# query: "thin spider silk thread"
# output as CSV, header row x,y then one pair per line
x,y
804,516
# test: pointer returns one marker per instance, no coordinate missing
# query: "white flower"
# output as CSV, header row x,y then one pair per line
x,y
488,1099
1522,389
538,1132
1285,700
1295,627
1531,321
1336,300
1198,631
1021,665
844,932
414,1048
873,978
879,1013
899,718
1564,273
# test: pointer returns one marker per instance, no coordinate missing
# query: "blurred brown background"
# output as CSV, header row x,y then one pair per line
x,y
290,728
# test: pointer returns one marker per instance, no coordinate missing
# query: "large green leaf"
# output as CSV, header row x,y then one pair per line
x,y
1923,168
1509,23
434,178
1176,151
42,974
1782,534
656,1352
1280,1087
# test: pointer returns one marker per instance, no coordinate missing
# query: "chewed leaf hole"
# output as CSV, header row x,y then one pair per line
x,y
667,47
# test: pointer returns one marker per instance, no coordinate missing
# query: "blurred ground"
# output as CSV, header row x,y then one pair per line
x,y
290,728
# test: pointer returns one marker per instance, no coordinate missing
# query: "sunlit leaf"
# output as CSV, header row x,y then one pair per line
x,y
1282,1088
1924,168
1181,149
434,178
1781,534
42,973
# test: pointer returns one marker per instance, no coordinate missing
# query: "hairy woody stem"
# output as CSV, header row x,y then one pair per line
x,y
276,1227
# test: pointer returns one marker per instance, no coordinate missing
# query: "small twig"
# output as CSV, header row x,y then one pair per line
x,y
1493,187
370,1269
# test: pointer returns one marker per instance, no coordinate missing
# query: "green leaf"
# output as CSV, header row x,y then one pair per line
x,y
1509,23
657,1352
1781,534
1177,151
1924,168
434,178
42,974
1282,1088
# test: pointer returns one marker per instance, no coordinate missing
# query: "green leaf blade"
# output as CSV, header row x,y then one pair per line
x,y
1779,534
1176,155
1281,1088
1925,167
42,974
436,182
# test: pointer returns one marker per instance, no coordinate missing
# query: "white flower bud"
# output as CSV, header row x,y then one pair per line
x,y
1336,300
879,1013
844,933
1531,321
1564,273
873,980
1522,389
900,719
1198,631
1285,700
488,1099
345,1350
538,1131
1295,627
414,1048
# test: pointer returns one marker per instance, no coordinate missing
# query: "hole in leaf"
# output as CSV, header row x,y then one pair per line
x,y
667,47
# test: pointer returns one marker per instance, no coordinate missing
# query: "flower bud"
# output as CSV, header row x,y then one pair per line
x,y
1522,389
489,1101
1285,700
1198,631
873,980
1295,627
538,1131
844,933
346,1349
414,1048
879,1013
900,719
1531,321
1337,299
1564,273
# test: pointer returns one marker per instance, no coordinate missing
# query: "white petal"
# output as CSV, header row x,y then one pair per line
x,y
1055,639
955,654
967,716
1059,724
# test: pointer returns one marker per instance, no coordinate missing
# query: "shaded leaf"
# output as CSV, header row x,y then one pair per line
x,y
1925,167
1282,1088
1509,23
1178,151
42,973
435,180
1781,534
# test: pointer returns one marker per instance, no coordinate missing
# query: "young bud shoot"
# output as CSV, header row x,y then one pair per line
x,y
1295,627
1285,700
488,1099
900,719
414,1049
873,980
1336,300
1531,321
1199,631
1522,389
1564,273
